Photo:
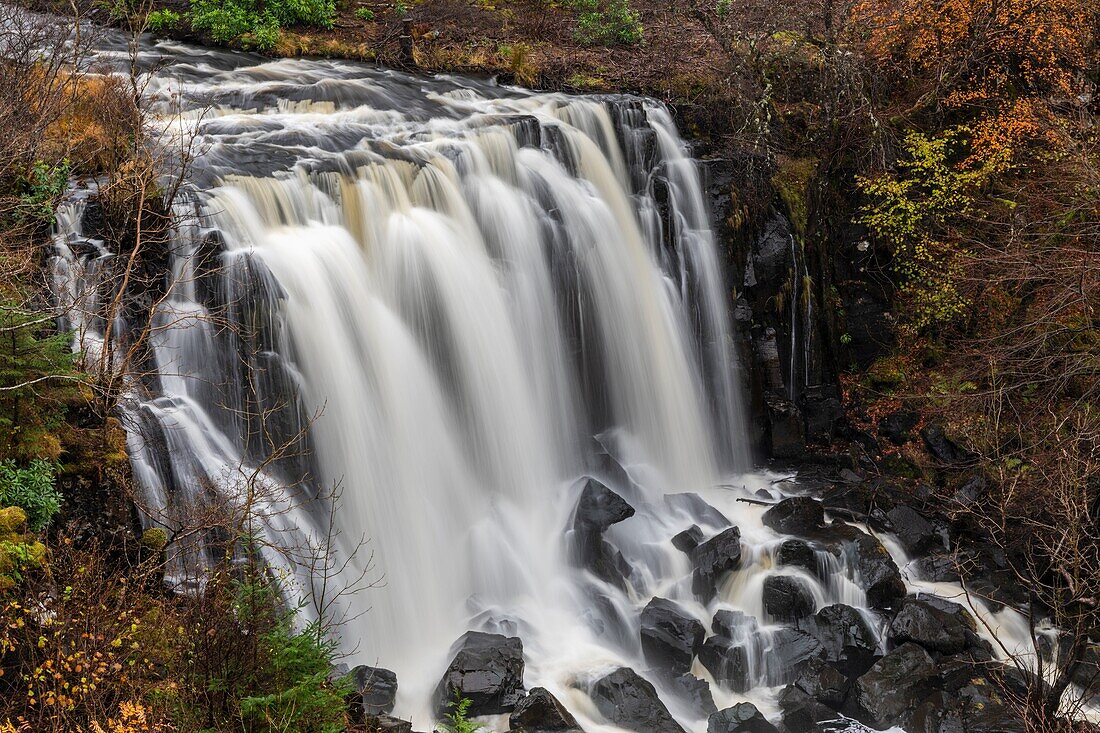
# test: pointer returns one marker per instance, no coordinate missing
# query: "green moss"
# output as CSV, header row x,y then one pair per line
x,y
886,375
154,539
792,182
896,464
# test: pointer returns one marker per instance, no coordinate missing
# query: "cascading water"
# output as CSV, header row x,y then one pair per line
x,y
440,304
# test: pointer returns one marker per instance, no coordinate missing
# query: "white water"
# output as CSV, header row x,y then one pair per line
x,y
446,302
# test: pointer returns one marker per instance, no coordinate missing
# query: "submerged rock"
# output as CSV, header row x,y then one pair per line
x,y
541,712
670,637
718,555
487,669
787,598
631,702
741,718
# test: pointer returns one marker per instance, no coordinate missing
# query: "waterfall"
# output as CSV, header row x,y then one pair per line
x,y
406,319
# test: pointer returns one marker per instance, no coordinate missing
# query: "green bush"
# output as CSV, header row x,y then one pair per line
x,y
255,25
36,377
303,698
364,14
162,20
39,189
32,490
607,23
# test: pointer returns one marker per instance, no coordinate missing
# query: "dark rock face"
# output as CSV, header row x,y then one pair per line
x,y
487,669
741,718
790,653
796,553
733,624
540,711
894,686
848,640
935,624
786,435
787,598
824,684
799,515
895,427
631,702
941,446
802,713
878,573
689,539
695,692
823,414
937,568
388,724
916,533
599,507
670,638
727,663
376,691
718,555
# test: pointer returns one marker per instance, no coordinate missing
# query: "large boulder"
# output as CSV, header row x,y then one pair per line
x,y
631,702
727,663
375,691
741,718
599,507
802,713
695,692
941,446
799,515
718,555
798,554
488,670
540,712
670,637
789,653
895,686
688,540
876,571
822,682
850,643
916,534
787,598
734,625
896,426
935,624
